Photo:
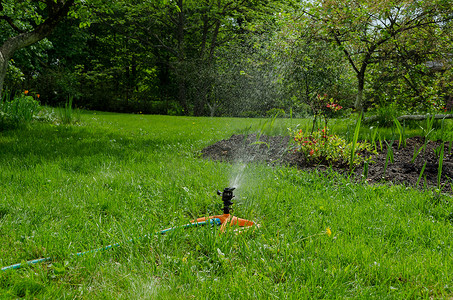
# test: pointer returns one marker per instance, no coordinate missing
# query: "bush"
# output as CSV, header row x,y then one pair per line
x,y
320,146
17,112
276,112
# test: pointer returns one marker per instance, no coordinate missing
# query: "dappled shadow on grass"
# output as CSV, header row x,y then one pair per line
x,y
78,149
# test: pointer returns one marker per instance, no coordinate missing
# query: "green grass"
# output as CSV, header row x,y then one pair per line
x,y
65,189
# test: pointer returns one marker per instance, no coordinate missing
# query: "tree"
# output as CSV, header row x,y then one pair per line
x,y
362,28
29,22
186,35
309,66
414,72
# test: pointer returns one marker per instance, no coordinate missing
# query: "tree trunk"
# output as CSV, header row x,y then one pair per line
x,y
3,69
359,99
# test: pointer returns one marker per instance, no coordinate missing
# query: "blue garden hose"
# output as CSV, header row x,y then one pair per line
x,y
213,221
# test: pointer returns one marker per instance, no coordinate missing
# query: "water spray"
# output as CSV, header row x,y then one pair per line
x,y
220,220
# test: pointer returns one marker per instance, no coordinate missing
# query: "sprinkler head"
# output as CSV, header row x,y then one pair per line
x,y
227,196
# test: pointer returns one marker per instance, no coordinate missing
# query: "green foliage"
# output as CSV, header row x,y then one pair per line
x,y
309,66
18,112
278,112
322,147
386,113
67,114
439,168
372,35
401,133
411,87
355,147
235,58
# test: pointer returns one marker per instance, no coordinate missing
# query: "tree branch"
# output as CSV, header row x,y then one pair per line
x,y
11,23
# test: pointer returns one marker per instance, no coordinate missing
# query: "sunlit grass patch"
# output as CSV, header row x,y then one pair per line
x,y
116,177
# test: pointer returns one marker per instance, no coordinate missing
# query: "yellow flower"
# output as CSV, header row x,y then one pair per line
x,y
328,231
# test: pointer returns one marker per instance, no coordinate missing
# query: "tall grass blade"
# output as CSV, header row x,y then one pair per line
x,y
442,129
400,129
373,137
67,114
421,174
389,156
429,127
291,117
354,142
380,141
416,153
439,169
365,170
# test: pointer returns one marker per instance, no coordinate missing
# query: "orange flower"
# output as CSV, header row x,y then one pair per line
x,y
37,96
26,92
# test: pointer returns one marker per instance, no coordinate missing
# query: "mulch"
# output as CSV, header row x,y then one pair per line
x,y
404,169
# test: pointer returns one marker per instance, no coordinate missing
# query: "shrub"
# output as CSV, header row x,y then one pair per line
x,y
17,112
320,146
324,108
275,112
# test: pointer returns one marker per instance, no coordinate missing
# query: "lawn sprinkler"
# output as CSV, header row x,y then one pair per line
x,y
226,218
222,220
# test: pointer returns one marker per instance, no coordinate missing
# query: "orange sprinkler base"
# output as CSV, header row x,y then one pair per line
x,y
227,219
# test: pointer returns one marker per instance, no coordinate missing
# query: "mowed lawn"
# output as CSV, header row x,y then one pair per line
x,y
117,177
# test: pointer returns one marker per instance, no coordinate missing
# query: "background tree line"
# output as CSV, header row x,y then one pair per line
x,y
231,57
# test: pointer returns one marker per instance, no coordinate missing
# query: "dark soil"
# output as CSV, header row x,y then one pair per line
x,y
275,150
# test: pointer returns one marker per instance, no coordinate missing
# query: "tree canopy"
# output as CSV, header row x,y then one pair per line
x,y
369,31
229,57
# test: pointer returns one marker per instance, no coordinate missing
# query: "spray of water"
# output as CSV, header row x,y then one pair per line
x,y
242,159
237,174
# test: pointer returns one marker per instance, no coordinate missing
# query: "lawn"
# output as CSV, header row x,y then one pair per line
x,y
117,177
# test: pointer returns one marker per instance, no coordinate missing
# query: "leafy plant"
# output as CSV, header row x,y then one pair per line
x,y
19,111
354,141
320,146
421,174
67,114
389,156
400,129
416,153
373,135
428,129
324,108
439,169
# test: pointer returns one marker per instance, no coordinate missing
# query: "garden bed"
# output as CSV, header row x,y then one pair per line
x,y
403,170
